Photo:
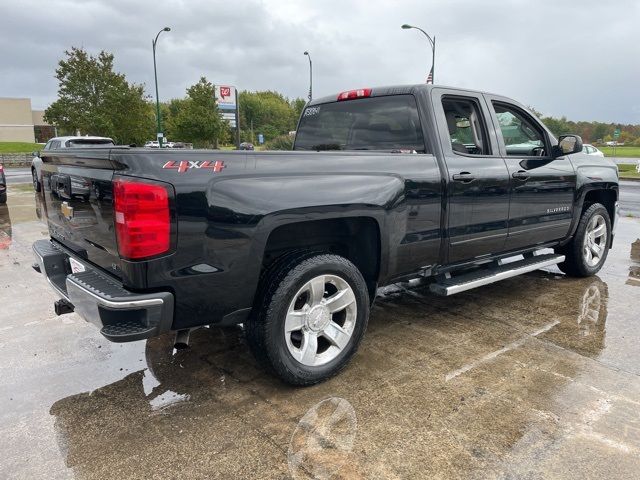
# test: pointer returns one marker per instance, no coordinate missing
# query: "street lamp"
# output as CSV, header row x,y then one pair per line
x,y
155,74
310,76
432,41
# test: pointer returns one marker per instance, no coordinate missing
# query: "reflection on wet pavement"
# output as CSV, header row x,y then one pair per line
x,y
533,377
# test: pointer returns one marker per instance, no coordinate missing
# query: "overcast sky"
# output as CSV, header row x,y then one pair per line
x,y
579,58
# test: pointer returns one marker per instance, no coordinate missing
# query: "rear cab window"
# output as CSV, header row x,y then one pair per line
x,y
386,123
88,143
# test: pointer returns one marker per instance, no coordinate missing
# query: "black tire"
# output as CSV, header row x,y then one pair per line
x,y
3,198
36,183
576,264
265,327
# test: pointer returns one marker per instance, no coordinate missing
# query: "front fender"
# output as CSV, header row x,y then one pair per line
x,y
592,176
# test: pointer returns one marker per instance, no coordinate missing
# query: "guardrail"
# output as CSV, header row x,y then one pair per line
x,y
16,159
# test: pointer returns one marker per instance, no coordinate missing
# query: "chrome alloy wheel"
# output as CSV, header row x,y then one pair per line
x,y
595,240
320,320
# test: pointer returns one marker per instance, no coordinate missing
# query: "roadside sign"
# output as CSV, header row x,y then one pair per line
x,y
226,97
616,133
227,102
260,138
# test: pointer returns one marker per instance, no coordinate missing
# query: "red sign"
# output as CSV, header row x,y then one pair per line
x,y
225,92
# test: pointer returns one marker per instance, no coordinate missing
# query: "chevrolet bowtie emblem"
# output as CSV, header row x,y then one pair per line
x,y
67,210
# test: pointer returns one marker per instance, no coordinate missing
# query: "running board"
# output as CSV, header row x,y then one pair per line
x,y
477,278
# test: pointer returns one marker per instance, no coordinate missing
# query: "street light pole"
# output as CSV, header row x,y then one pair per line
x,y
310,76
155,75
432,41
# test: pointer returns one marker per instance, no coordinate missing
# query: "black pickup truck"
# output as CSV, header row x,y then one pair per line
x,y
385,184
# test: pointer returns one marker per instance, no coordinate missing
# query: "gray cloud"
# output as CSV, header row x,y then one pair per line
x,y
576,58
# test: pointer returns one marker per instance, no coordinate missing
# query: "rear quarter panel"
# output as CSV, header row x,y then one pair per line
x,y
225,218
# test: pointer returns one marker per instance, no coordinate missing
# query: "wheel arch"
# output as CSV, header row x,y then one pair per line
x,y
357,238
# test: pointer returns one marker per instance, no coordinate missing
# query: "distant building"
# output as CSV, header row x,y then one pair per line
x,y
19,123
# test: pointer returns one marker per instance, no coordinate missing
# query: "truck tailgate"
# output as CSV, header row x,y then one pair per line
x,y
78,203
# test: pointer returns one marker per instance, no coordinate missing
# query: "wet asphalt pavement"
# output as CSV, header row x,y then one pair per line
x,y
533,377
18,175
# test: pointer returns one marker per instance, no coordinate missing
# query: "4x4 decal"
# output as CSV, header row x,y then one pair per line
x,y
185,165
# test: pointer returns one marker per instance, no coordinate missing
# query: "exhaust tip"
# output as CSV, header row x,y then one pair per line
x,y
182,339
62,307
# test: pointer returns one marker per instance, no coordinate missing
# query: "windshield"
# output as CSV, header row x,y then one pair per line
x,y
388,123
86,143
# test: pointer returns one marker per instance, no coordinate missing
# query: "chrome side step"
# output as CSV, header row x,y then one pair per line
x,y
477,278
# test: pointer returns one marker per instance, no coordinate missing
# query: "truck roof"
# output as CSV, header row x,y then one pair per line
x,y
79,137
395,90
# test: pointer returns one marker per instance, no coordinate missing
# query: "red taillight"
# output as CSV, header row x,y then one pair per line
x,y
351,94
142,218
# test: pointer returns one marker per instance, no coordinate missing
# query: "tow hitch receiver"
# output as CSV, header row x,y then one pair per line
x,y
63,307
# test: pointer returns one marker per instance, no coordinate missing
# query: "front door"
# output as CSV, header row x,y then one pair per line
x,y
478,180
542,188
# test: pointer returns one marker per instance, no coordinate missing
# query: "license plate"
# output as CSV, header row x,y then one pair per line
x,y
76,266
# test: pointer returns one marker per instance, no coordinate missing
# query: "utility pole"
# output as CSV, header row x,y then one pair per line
x,y
159,134
310,76
432,41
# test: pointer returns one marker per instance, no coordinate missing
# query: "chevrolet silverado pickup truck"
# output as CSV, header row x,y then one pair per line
x,y
457,187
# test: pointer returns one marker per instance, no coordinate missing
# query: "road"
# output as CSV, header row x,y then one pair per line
x,y
620,160
629,190
18,175
533,377
629,198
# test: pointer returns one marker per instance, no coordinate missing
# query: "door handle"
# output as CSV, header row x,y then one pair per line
x,y
464,177
521,175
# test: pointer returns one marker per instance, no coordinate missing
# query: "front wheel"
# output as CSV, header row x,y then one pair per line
x,y
311,316
588,249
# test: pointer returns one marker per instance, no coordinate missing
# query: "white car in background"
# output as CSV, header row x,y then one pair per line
x,y
64,142
591,150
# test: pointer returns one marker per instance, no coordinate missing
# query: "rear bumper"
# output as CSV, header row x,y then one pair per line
x,y
121,315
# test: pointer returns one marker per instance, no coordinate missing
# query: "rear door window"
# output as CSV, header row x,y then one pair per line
x,y
467,129
389,123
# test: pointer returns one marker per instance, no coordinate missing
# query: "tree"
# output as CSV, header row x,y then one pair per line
x,y
270,113
196,119
93,99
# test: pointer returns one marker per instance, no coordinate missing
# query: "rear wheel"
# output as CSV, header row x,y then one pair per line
x,y
588,249
311,316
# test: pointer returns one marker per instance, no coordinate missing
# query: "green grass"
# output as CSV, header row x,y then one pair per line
x,y
628,170
621,151
19,147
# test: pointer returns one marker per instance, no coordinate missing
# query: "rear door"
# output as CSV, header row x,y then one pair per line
x,y
542,188
478,180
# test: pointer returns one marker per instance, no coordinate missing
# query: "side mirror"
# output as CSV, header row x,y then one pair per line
x,y
568,144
